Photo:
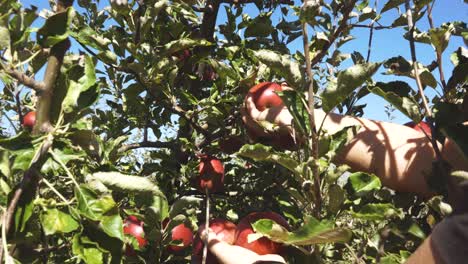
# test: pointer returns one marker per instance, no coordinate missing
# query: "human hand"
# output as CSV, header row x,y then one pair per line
x,y
272,126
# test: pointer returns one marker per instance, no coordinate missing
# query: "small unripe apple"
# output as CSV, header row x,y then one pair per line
x,y
29,120
421,126
225,231
264,95
261,246
134,227
183,234
211,175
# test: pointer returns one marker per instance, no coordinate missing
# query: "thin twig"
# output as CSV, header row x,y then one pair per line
x,y
147,144
25,80
371,35
311,111
438,54
344,22
371,26
409,15
207,225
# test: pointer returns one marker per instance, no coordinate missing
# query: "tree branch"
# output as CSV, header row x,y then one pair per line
x,y
26,80
346,12
147,144
31,176
438,54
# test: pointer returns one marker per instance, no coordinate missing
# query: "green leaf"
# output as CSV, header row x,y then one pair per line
x,y
407,105
362,183
56,28
259,152
440,38
92,205
459,76
283,65
86,250
20,141
457,133
391,4
296,102
87,36
4,32
183,44
112,225
336,198
82,84
259,27
312,232
55,221
347,81
378,212
127,183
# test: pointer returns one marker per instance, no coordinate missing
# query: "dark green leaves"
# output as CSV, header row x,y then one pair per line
x,y
398,94
347,81
82,90
391,4
56,28
312,232
259,27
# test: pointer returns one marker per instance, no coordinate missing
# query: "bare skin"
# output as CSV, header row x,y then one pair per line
x,y
231,254
400,156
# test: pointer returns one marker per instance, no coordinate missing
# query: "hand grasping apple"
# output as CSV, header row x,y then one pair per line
x,y
266,117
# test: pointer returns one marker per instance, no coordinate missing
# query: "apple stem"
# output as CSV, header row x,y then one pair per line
x,y
207,225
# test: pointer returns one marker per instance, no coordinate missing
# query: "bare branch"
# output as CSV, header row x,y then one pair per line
x,y
147,144
409,15
26,80
438,54
344,22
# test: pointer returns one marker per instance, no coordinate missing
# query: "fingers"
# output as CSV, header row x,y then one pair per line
x,y
208,235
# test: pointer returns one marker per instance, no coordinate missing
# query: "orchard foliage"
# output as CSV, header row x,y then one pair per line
x,y
129,95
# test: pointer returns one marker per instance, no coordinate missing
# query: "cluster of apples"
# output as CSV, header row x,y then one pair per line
x,y
225,230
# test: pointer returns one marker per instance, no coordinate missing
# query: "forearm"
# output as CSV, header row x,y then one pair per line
x,y
231,254
401,156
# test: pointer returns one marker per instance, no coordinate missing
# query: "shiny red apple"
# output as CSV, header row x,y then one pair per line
x,y
182,234
263,245
134,227
264,95
421,126
225,231
211,175
29,120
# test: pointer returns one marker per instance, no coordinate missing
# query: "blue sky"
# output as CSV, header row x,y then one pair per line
x,y
386,44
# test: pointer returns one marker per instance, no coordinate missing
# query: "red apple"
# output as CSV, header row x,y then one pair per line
x,y
183,55
181,233
263,245
421,126
264,95
29,120
134,227
225,230
211,175
208,74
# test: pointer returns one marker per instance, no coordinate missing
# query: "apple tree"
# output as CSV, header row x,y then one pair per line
x,y
132,98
